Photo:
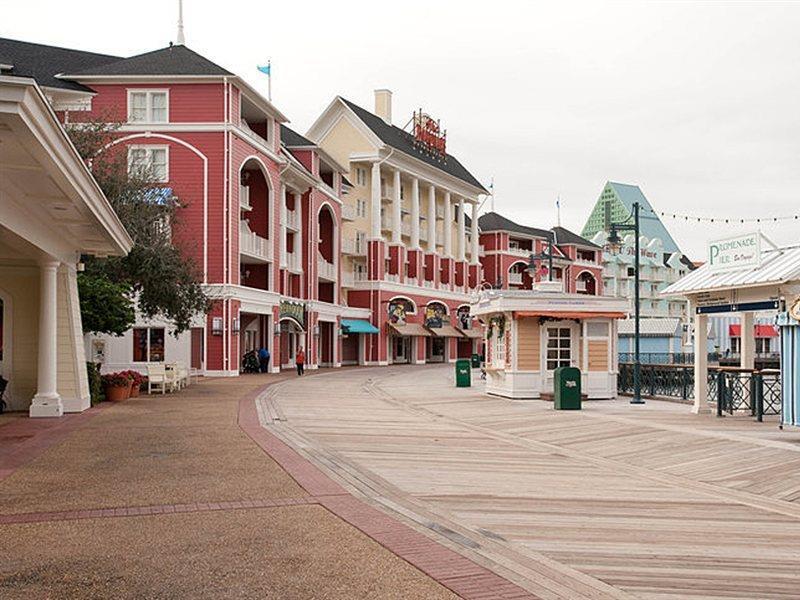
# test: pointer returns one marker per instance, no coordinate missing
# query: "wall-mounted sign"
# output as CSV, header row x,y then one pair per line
x,y
435,315
740,252
794,309
293,310
398,308
463,317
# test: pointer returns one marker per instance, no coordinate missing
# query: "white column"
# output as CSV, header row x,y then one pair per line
x,y
447,227
700,365
396,209
431,218
282,234
474,234
375,204
748,341
415,214
462,232
47,402
298,235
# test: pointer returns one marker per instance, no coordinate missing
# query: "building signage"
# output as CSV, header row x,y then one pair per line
x,y
740,252
293,310
398,309
435,315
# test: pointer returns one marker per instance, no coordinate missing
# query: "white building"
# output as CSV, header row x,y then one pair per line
x,y
51,212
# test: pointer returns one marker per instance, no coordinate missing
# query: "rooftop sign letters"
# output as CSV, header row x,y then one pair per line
x,y
740,252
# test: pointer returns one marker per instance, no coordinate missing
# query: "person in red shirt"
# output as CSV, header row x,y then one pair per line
x,y
300,361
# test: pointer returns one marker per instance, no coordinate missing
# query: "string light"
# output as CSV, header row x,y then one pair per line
x,y
727,220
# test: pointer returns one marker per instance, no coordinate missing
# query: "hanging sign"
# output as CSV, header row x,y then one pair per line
x,y
740,252
293,310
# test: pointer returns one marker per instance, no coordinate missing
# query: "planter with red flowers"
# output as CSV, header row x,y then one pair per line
x,y
137,382
117,386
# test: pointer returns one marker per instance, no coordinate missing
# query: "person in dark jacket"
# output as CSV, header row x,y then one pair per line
x,y
263,360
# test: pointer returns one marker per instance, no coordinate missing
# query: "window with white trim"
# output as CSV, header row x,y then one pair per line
x,y
150,161
361,208
361,176
499,348
559,347
148,106
361,242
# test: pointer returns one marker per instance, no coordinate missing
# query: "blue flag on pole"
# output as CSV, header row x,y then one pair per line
x,y
265,69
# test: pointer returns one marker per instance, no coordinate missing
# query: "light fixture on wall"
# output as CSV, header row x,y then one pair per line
x,y
235,326
316,330
277,329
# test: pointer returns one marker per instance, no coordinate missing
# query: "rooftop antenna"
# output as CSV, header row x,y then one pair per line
x,y
181,41
491,189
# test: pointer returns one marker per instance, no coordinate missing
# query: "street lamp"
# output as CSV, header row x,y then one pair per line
x,y
614,242
548,255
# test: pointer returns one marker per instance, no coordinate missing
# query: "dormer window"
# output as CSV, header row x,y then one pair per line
x,y
148,106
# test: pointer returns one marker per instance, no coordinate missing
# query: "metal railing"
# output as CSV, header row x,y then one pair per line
x,y
665,358
735,391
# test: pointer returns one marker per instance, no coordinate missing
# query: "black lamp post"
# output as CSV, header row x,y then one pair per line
x,y
614,241
543,256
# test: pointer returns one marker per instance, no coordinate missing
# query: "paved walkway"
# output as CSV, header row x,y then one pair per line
x,y
611,502
169,497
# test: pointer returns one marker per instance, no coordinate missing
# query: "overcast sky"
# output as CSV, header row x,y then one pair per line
x,y
697,103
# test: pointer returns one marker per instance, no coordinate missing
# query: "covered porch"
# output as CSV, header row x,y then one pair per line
x,y
771,284
51,212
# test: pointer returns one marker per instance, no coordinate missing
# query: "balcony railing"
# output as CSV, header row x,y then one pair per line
x,y
348,212
326,270
244,198
520,252
291,220
252,244
350,277
515,278
293,263
354,248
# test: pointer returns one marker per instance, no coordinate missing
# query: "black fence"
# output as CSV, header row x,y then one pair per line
x,y
735,391
665,358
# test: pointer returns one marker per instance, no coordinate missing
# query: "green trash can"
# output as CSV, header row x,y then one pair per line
x,y
567,381
463,373
476,361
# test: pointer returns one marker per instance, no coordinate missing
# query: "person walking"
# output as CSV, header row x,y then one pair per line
x,y
263,360
300,361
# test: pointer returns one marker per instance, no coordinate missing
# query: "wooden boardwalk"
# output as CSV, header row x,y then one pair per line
x,y
614,501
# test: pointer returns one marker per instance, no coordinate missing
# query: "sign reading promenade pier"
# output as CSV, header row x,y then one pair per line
x,y
740,252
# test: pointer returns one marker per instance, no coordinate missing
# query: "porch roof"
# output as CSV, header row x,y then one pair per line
x,y
777,267
410,329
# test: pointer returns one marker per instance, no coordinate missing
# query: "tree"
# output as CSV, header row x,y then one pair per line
x,y
156,277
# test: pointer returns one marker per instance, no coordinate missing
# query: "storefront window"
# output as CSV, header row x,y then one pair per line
x,y
148,344
559,347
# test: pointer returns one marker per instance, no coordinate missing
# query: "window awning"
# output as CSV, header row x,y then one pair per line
x,y
445,331
472,333
761,331
410,329
359,326
556,314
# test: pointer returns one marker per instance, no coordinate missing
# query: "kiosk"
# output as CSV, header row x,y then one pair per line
x,y
531,333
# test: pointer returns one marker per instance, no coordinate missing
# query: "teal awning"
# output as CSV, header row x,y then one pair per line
x,y
358,326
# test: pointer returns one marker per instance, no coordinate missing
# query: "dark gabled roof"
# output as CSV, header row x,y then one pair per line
x,y
561,236
172,60
42,63
291,139
565,236
404,141
495,222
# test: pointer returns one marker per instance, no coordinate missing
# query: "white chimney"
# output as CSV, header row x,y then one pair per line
x,y
383,105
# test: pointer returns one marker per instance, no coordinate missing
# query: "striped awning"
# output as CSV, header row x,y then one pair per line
x,y
472,333
445,331
409,329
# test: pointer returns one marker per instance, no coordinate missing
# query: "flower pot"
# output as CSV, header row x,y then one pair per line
x,y
134,391
117,393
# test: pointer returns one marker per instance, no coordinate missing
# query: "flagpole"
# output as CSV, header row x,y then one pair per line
x,y
269,80
558,210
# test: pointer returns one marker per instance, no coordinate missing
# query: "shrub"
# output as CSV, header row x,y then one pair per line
x,y
95,383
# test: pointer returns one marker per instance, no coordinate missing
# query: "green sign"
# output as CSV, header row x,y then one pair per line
x,y
293,310
740,252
